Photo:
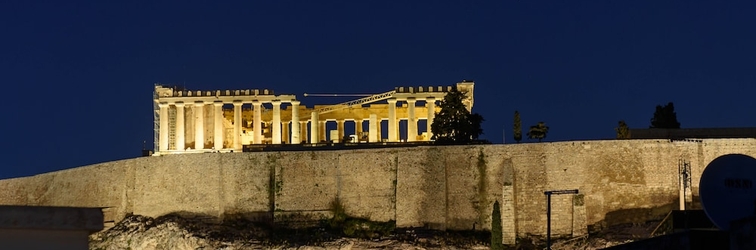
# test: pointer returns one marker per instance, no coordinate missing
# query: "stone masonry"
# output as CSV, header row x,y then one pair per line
x,y
439,187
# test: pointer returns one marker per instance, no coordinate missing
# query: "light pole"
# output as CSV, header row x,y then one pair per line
x,y
504,135
548,211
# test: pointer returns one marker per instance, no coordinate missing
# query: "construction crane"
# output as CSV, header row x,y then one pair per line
x,y
369,98
334,95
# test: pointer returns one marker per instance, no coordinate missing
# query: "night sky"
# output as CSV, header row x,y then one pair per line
x,y
78,76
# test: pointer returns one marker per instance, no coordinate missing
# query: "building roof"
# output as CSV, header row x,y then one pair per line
x,y
700,133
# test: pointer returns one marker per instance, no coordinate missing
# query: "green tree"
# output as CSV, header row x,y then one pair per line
x,y
496,230
538,131
517,127
623,131
665,117
454,124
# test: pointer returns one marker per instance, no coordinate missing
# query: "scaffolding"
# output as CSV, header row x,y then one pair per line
x,y
155,119
172,129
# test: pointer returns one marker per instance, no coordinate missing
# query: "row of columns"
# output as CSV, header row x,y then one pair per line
x,y
296,133
199,130
340,126
393,123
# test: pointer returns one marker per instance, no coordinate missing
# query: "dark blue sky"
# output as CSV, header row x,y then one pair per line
x,y
78,76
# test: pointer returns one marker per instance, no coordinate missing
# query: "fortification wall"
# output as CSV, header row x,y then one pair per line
x,y
441,187
308,182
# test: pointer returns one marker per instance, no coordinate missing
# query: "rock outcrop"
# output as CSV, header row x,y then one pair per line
x,y
175,232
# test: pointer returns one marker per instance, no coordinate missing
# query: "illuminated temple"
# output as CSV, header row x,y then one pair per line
x,y
226,120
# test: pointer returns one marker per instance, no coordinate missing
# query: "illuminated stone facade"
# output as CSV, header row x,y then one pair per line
x,y
226,120
438,187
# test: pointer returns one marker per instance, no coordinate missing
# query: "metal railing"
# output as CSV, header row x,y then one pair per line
x,y
653,233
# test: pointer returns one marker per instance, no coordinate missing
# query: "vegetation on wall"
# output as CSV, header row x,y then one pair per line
x,y
496,229
482,200
395,169
357,227
578,200
517,127
538,131
665,117
274,184
275,181
454,124
339,214
623,131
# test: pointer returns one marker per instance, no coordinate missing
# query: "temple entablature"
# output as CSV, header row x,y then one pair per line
x,y
229,99
237,92
172,95
426,93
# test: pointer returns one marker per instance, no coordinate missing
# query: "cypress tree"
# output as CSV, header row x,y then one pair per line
x,y
496,230
623,131
517,127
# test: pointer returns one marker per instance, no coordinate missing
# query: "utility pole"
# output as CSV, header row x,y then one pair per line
x,y
548,211
504,135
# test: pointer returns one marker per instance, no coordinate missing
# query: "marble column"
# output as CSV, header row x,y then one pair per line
x,y
340,128
295,138
257,126
430,103
314,127
358,129
276,123
392,123
286,135
303,131
268,125
373,127
163,138
199,122
411,121
218,126
180,125
322,130
237,126
380,130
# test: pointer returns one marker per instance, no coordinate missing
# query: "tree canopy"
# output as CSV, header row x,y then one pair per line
x,y
454,124
517,127
665,117
623,131
538,131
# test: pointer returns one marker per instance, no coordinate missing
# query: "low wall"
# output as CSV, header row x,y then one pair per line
x,y
440,187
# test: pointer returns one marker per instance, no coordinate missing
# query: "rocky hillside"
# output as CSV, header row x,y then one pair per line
x,y
175,232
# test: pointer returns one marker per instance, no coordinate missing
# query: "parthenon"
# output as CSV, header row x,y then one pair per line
x,y
226,120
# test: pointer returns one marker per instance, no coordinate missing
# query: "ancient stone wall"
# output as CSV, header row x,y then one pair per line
x,y
440,187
